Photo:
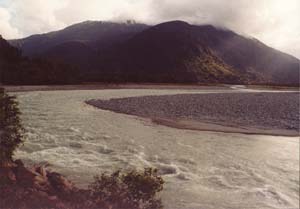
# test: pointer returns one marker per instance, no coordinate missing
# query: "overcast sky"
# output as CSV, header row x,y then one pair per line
x,y
275,22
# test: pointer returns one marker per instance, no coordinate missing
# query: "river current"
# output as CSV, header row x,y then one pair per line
x,y
206,170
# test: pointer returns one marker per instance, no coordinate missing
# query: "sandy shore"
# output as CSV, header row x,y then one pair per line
x,y
250,113
225,128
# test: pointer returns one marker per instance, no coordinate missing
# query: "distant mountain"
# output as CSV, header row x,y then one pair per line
x,y
95,34
169,52
8,56
179,52
72,52
16,69
78,44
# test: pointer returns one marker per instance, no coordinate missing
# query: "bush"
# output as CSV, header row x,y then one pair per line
x,y
11,130
131,190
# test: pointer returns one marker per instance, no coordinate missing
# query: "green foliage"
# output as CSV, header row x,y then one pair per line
x,y
132,190
11,130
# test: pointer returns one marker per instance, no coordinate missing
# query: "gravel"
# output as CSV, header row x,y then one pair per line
x,y
264,110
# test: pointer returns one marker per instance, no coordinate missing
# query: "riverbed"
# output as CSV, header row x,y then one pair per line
x,y
202,169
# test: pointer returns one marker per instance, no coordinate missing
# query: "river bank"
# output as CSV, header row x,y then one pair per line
x,y
250,113
201,169
100,86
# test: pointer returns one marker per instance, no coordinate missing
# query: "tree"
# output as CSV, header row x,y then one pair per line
x,y
129,190
11,129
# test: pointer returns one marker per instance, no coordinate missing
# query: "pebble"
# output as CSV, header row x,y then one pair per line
x,y
266,110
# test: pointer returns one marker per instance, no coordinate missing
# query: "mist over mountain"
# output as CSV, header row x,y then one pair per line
x,y
171,52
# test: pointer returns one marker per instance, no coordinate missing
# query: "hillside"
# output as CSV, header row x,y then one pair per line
x,y
16,69
95,34
180,52
171,52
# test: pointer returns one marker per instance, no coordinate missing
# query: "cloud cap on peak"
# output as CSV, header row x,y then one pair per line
x,y
275,22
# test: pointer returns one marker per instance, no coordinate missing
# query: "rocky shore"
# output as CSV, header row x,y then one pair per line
x,y
36,188
267,113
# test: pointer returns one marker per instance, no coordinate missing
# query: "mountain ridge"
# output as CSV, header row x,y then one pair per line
x,y
174,51
87,31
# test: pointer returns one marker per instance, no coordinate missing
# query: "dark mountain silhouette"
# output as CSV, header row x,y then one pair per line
x,y
72,52
179,52
8,56
169,52
95,34
16,69
78,44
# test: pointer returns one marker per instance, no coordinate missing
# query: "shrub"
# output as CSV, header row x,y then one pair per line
x,y
131,190
11,130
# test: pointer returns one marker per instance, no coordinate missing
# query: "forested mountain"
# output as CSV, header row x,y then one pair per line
x,y
171,52
16,69
95,34
180,52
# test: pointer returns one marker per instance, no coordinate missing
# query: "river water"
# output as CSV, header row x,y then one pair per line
x,y
206,170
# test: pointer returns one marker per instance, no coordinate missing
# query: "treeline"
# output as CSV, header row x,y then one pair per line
x,y
18,70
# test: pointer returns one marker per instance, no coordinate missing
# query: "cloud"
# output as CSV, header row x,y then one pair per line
x,y
103,10
36,16
275,22
6,30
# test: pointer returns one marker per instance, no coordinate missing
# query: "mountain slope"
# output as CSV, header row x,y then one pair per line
x,y
179,52
9,57
91,33
169,52
16,69
251,56
72,52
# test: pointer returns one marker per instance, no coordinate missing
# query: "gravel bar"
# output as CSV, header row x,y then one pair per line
x,y
260,110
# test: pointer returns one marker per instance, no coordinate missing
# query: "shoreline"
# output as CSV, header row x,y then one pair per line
x,y
206,126
246,113
101,86
198,125
213,127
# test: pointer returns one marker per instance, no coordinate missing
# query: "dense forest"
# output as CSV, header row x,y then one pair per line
x,y
16,69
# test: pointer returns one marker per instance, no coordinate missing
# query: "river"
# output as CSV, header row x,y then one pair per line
x,y
209,170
